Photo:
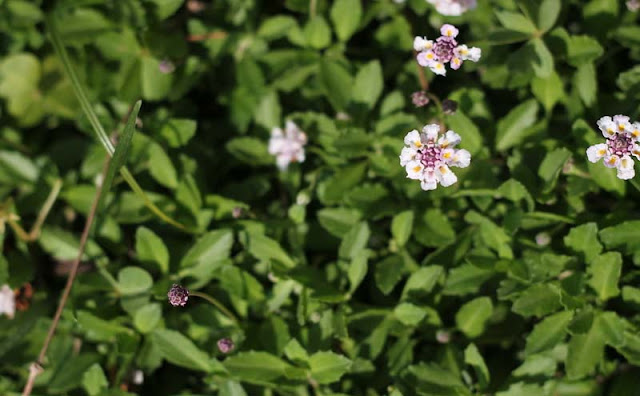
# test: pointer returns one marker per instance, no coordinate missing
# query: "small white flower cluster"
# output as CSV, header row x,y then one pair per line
x,y
622,142
445,49
7,301
453,7
287,146
427,157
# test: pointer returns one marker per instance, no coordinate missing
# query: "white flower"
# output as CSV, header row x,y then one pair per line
x,y
428,157
453,7
422,44
621,144
7,301
287,146
445,50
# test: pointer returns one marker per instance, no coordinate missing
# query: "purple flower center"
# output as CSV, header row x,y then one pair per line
x,y
443,48
429,155
225,345
621,144
178,296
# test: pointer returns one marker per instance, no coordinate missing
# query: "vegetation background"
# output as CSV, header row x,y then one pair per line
x,y
345,277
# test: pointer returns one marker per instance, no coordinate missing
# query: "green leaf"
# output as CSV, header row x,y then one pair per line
x,y
346,15
513,127
584,353
82,25
626,233
69,373
357,270
368,85
334,189
401,227
296,352
354,241
516,22
120,154
583,49
337,83
434,230
584,239
256,367
338,221
94,381
422,281
605,273
328,367
551,167
165,8
543,65
134,280
472,317
177,132
612,327
538,300
156,85
147,318
317,33
150,248
548,91
388,273
548,332
473,358
161,167
472,139
586,83
213,246
409,314
19,78
250,150
466,279
276,27
179,350
548,14
265,248
98,329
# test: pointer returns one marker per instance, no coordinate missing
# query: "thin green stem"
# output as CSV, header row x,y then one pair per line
x,y
215,303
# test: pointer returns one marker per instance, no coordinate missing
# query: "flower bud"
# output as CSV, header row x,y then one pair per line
x,y
225,345
178,296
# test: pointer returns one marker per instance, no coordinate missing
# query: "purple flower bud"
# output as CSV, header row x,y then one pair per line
x,y
236,212
449,106
178,295
420,98
225,345
443,336
166,66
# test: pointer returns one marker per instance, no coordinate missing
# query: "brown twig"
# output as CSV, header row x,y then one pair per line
x,y
36,367
424,83
220,34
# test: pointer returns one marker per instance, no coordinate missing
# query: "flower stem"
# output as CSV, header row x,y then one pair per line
x,y
215,303
36,367
424,83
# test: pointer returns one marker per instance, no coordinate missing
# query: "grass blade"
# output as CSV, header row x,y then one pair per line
x,y
95,123
121,152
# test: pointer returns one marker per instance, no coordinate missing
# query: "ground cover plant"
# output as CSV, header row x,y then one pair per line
x,y
314,197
